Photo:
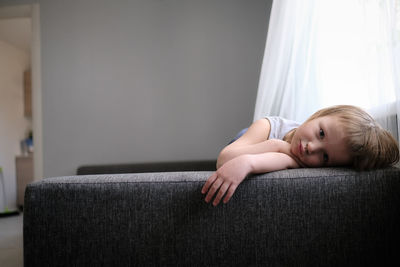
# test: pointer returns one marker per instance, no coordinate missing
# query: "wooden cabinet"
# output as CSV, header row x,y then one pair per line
x,y
24,173
28,94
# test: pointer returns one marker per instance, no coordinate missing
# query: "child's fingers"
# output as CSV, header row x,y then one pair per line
x,y
209,182
221,193
230,193
213,189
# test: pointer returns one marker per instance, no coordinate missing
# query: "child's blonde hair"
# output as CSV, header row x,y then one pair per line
x,y
370,145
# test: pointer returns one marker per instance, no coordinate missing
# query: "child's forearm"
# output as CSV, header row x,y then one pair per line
x,y
270,161
230,152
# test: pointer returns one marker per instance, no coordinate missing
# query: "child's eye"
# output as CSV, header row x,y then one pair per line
x,y
321,133
326,158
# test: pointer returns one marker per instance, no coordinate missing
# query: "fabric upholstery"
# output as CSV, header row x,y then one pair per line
x,y
301,217
202,165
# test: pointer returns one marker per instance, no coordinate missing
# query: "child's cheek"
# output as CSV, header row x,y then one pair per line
x,y
313,161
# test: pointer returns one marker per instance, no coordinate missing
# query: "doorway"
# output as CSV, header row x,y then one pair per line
x,y
20,105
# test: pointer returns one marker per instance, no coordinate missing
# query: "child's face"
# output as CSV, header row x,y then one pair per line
x,y
320,142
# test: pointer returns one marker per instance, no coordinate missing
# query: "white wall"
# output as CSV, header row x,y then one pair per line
x,y
146,80
13,125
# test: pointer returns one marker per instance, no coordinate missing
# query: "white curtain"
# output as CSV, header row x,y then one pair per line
x,y
326,52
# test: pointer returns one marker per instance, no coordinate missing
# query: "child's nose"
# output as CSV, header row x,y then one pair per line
x,y
313,147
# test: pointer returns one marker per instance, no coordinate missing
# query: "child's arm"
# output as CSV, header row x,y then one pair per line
x,y
227,178
251,142
230,152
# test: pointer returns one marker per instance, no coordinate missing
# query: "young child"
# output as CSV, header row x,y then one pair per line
x,y
336,136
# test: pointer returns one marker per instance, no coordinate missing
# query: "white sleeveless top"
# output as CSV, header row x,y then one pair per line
x,y
280,127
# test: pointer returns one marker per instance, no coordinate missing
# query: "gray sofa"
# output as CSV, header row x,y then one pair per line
x,y
302,217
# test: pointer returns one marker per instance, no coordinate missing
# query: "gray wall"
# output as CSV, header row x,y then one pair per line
x,y
146,80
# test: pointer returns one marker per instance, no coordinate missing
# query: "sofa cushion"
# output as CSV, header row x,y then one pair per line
x,y
300,217
200,165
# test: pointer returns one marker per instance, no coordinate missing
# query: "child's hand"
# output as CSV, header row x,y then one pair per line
x,y
226,179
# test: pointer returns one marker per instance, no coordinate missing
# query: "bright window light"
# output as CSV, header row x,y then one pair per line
x,y
354,64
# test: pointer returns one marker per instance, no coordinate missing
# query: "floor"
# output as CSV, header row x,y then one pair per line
x,y
11,253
